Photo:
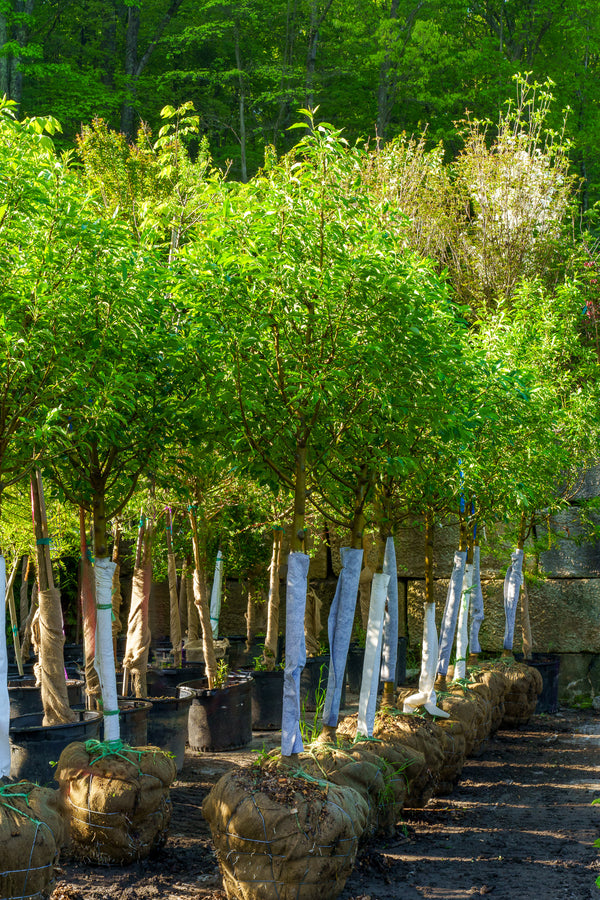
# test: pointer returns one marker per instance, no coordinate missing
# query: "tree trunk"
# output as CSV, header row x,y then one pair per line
x,y
201,601
386,89
429,586
250,615
24,594
134,64
138,629
117,598
298,530
88,616
52,639
242,102
183,608
11,78
316,20
270,648
174,620
131,65
4,60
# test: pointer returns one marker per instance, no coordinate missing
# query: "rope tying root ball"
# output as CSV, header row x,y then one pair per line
x,y
116,799
31,835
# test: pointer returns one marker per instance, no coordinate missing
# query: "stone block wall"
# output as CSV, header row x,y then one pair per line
x,y
564,600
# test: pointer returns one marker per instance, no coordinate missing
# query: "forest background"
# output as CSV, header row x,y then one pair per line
x,y
375,67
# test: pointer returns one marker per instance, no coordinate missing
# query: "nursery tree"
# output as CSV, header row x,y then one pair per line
x,y
118,407
43,241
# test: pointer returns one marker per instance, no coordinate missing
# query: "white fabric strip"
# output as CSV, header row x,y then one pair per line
x,y
215,595
295,652
462,632
477,611
367,700
426,695
448,626
389,651
339,629
105,661
512,588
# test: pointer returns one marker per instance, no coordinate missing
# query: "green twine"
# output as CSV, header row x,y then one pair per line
x,y
300,773
5,792
365,737
114,748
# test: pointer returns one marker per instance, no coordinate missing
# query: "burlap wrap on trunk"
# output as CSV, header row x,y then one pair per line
x,y
88,609
174,619
138,631
416,746
117,600
116,801
52,662
280,837
31,835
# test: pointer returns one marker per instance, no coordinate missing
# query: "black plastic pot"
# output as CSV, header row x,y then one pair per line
x,y
168,725
313,683
13,670
73,653
355,662
34,746
163,682
219,719
240,658
400,664
354,667
548,665
237,651
133,721
26,698
267,699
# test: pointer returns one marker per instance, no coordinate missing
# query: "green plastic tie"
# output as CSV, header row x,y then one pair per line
x,y
44,541
5,792
114,748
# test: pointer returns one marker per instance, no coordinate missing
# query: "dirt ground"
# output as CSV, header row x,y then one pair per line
x,y
518,826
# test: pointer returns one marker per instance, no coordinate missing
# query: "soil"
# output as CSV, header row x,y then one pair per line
x,y
519,824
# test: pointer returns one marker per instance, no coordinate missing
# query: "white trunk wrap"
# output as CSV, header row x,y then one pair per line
x,y
426,694
462,632
512,588
104,569
367,700
215,595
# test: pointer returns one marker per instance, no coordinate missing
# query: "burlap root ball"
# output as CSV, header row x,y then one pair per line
x,y
280,836
381,782
498,686
524,685
117,803
31,835
454,750
479,694
415,741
